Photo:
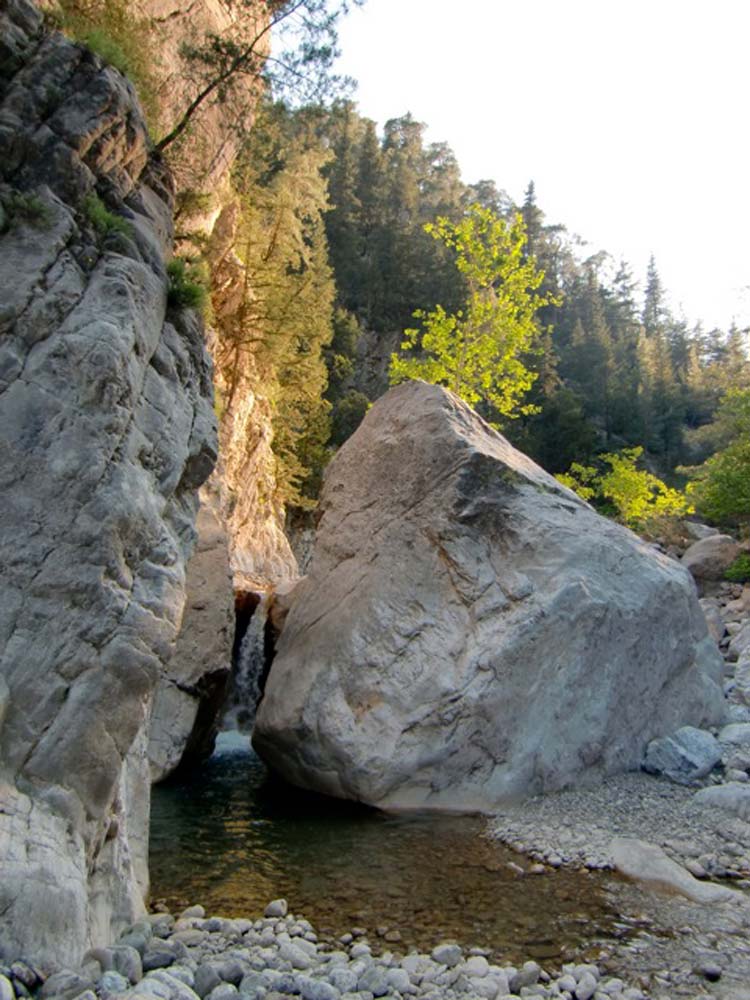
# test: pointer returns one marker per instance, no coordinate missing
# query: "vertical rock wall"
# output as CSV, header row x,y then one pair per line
x,y
106,433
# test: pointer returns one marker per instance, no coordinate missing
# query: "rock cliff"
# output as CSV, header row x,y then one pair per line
x,y
470,630
107,433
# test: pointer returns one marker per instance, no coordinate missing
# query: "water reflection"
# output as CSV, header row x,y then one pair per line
x,y
231,838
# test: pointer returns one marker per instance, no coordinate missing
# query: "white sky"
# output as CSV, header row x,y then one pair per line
x,y
630,116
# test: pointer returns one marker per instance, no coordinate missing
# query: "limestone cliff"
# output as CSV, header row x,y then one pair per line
x,y
107,433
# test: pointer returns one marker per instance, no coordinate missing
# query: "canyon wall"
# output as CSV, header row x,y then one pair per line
x,y
108,431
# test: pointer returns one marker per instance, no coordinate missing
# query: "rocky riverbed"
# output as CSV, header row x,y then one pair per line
x,y
701,823
279,956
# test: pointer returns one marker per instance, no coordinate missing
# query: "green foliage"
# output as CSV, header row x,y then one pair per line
x,y
479,352
341,354
348,414
104,45
19,208
616,370
283,318
720,488
104,221
190,203
634,496
739,571
188,284
305,36
112,30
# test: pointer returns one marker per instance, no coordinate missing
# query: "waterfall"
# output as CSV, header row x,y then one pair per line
x,y
248,668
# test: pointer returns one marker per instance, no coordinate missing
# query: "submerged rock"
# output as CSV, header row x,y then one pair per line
x,y
470,630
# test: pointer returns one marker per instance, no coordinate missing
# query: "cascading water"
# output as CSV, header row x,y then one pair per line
x,y
248,669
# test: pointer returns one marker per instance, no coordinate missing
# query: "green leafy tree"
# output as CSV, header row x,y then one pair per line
x,y
480,351
720,488
634,496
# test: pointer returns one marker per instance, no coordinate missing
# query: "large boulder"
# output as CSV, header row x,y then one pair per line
x,y
711,557
470,630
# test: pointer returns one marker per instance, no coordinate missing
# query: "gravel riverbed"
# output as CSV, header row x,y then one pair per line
x,y
684,949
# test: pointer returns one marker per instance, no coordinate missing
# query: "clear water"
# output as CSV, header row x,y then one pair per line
x,y
232,838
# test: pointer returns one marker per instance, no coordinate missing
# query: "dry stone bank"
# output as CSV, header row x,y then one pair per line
x,y
279,956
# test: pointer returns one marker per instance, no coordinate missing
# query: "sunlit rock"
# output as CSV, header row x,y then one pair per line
x,y
470,630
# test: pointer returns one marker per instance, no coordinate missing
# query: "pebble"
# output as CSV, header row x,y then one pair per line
x,y
110,984
127,961
527,976
206,979
709,971
375,980
316,989
447,954
477,966
65,984
343,978
224,991
277,908
585,987
398,979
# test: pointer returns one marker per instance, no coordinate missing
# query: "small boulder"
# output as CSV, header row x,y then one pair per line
x,y
276,908
711,557
684,757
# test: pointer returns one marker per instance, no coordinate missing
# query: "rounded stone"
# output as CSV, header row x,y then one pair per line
x,y
112,983
447,954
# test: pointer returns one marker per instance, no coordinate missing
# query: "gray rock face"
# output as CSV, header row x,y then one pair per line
x,y
685,757
470,630
711,557
107,433
191,689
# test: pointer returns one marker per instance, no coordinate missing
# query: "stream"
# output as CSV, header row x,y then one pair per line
x,y
231,837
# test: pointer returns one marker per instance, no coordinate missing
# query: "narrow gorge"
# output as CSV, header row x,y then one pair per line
x,y
476,703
